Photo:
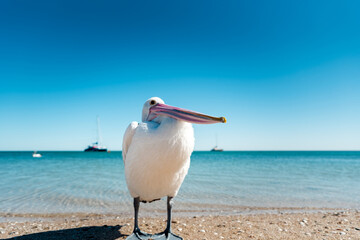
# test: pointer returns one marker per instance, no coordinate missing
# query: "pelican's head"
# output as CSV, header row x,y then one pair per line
x,y
155,108
147,105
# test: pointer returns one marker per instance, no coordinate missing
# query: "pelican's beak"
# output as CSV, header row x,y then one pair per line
x,y
183,114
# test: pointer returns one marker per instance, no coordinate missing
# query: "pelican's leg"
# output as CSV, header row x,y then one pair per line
x,y
167,234
137,234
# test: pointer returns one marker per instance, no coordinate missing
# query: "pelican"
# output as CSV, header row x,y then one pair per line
x,y
156,154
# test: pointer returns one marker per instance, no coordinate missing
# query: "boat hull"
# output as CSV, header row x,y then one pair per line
x,y
93,149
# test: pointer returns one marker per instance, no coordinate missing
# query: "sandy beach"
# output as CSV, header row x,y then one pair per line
x,y
336,224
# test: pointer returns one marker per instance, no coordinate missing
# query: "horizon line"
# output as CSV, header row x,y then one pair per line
x,y
262,150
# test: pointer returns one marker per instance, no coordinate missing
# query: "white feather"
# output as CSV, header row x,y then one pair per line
x,y
129,133
157,157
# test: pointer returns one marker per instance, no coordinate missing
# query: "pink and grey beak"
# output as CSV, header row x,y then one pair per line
x,y
182,114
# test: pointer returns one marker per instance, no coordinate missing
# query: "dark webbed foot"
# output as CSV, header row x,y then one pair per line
x,y
139,235
164,236
172,236
160,236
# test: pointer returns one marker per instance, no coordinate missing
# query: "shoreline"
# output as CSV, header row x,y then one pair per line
x,y
307,224
181,213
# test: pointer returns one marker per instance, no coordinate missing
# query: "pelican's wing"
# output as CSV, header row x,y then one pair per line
x,y
129,133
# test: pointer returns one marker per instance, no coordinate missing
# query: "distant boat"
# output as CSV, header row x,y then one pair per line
x,y
216,149
97,146
36,155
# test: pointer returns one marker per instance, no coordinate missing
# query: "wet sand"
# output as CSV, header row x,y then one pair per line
x,y
337,224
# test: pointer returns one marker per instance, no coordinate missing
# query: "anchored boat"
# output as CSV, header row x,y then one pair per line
x,y
97,146
216,149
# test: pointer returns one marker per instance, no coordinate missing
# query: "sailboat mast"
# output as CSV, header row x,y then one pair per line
x,y
99,140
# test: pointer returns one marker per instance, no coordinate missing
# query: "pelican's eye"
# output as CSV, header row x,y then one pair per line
x,y
152,102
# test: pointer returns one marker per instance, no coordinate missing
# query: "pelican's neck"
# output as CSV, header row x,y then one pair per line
x,y
169,126
168,122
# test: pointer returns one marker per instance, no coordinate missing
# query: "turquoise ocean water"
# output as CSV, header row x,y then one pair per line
x,y
66,182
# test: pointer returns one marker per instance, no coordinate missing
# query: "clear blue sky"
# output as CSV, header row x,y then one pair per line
x,y
286,74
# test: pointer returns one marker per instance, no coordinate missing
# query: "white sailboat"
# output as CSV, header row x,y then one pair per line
x,y
36,155
216,148
97,146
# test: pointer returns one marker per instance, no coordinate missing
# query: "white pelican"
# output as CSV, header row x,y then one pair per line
x,y
156,156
